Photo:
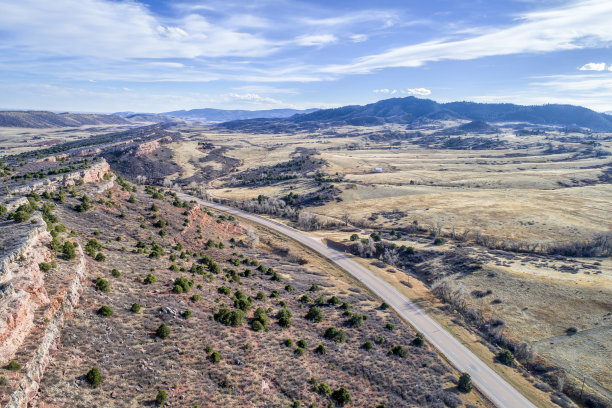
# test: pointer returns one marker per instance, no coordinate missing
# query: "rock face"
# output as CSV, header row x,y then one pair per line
x,y
22,288
36,366
150,147
95,173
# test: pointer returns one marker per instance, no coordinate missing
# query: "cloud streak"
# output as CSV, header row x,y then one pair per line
x,y
576,26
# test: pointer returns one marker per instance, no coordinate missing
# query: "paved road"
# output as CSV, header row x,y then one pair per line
x,y
502,394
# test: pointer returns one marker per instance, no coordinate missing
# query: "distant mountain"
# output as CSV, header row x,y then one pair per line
x,y
43,119
151,118
414,110
209,115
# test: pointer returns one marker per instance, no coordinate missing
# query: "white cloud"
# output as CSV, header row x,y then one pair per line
x,y
258,99
407,91
386,18
357,38
575,26
112,29
316,40
385,91
417,91
593,66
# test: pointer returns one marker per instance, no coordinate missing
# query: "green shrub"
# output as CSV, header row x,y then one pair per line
x,y
84,205
314,314
187,314
314,287
334,301
116,273
19,216
44,266
356,320
92,247
261,316
241,301
196,297
289,343
505,357
299,351
94,377
150,279
465,383
439,241
2,210
215,357
163,331
289,288
321,349
260,296
337,335
284,317
229,317
100,257
13,366
135,308
284,322
302,343
224,290
161,398
105,311
418,341
367,345
102,285
324,388
342,396
68,250
398,351
390,326
384,306
305,299
257,326
182,284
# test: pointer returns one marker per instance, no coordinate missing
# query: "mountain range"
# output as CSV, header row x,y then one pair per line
x,y
44,119
209,115
409,110
412,110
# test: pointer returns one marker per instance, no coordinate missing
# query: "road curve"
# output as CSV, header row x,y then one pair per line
x,y
497,390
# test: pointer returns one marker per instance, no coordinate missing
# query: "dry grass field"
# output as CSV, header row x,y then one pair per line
x,y
544,189
537,189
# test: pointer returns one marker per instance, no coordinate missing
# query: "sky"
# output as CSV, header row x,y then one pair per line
x,y
162,55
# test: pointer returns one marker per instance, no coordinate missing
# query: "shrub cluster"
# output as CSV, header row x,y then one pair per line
x,y
229,317
337,335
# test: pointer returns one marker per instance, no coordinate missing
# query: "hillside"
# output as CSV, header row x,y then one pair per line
x,y
44,119
414,110
156,293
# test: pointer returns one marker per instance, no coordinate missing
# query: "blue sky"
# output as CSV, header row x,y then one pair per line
x,y
155,56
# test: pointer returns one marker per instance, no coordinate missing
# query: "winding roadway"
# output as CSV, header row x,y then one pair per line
x,y
496,389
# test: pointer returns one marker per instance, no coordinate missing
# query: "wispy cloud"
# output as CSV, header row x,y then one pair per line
x,y
316,39
382,17
407,91
99,28
357,38
593,66
575,26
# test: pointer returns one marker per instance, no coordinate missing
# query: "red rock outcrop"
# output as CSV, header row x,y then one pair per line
x,y
22,288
